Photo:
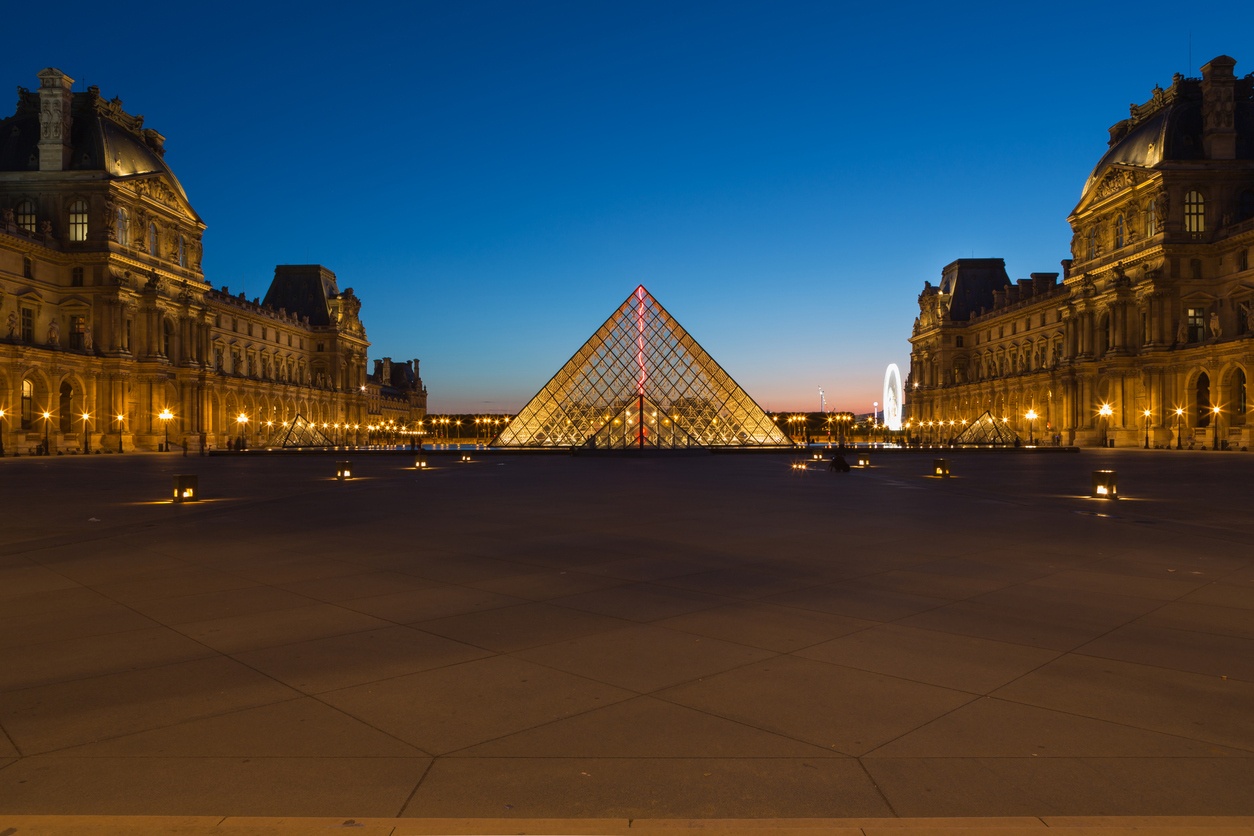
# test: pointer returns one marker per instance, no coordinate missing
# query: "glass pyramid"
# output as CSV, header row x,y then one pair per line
x,y
987,430
300,433
641,382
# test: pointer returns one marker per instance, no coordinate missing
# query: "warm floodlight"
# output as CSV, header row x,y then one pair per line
x,y
1104,485
343,470
186,488
940,467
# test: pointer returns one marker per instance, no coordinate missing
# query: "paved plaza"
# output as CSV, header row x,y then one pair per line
x,y
527,637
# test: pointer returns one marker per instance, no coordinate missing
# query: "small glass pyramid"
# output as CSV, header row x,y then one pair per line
x,y
641,382
987,430
301,433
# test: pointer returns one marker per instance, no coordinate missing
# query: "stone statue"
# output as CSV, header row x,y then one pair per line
x,y
87,343
1215,330
12,323
1182,333
54,334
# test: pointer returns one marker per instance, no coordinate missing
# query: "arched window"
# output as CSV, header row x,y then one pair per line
x,y
1194,212
24,214
123,228
152,239
28,404
1119,232
1240,398
1091,244
1203,400
78,220
1151,219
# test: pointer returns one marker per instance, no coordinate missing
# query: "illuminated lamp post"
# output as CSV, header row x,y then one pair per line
x,y
86,434
1,433
1146,413
1031,416
121,417
1179,418
165,417
241,421
47,418
1215,411
1105,412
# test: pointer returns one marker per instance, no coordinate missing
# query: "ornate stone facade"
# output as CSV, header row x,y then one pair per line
x,y
106,313
1150,332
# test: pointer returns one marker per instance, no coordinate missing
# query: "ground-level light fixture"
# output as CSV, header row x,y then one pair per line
x,y
343,470
940,467
864,461
1105,485
465,457
186,488
421,464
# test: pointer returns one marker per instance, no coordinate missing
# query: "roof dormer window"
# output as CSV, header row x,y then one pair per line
x,y
78,220
1194,213
24,214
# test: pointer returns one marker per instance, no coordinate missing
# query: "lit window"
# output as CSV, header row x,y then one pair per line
x,y
28,325
24,214
123,227
78,327
1196,324
1091,244
1119,232
1194,212
28,404
1151,219
78,220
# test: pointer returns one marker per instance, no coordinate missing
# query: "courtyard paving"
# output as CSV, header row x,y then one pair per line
x,y
617,639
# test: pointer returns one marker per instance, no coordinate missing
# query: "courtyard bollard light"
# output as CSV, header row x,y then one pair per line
x,y
186,488
1105,485
343,470
421,464
864,461
940,467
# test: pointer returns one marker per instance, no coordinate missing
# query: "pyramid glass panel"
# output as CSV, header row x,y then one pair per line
x,y
987,430
300,433
641,381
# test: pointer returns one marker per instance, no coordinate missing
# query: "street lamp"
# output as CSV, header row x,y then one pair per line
x,y
165,417
121,418
1146,413
86,435
241,421
1105,411
47,418
1031,416
1179,416
1,433
1215,420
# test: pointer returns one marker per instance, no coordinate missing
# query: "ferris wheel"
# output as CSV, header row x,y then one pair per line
x,y
892,397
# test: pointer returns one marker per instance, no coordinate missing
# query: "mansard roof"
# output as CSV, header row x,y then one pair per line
x,y
103,137
303,289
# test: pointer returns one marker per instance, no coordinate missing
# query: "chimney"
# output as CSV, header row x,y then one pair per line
x,y
54,120
1219,133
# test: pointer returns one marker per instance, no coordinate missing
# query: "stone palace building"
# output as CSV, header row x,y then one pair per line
x,y
1148,336
107,322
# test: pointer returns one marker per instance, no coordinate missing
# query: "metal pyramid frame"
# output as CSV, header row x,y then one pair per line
x,y
987,430
300,433
641,381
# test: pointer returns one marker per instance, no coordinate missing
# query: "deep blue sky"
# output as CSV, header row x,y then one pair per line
x,y
494,178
